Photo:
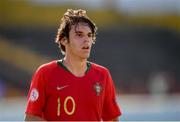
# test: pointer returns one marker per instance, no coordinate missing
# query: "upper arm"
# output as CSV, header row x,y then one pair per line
x,y
30,117
116,119
36,96
111,110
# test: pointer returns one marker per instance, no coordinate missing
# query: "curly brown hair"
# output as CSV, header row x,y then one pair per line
x,y
73,17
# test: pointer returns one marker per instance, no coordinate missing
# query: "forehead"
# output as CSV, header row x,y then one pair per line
x,y
81,27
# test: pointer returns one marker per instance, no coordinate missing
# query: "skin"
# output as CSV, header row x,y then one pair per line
x,y
30,117
78,49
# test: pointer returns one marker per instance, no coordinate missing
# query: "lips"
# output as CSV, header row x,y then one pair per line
x,y
86,47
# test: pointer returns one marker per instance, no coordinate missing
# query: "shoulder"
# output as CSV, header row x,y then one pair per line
x,y
47,66
99,68
102,72
43,72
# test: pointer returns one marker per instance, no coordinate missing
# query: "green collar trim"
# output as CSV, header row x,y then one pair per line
x,y
60,63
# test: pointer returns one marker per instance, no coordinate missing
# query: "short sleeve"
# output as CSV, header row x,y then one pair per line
x,y
111,109
36,95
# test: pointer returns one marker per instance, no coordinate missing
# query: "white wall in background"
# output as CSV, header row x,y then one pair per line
x,y
134,107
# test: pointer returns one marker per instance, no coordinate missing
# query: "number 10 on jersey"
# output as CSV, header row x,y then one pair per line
x,y
67,99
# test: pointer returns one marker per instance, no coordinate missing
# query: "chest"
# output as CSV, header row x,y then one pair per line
x,y
87,90
68,97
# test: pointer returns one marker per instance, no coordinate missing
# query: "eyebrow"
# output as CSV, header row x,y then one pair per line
x,y
77,32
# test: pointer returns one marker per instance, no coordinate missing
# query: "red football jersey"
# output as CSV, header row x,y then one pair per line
x,y
57,94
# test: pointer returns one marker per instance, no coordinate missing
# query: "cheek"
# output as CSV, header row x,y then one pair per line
x,y
77,42
75,46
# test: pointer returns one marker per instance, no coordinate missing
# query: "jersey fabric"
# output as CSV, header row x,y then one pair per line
x,y
56,94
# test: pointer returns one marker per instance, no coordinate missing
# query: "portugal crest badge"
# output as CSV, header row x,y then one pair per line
x,y
98,88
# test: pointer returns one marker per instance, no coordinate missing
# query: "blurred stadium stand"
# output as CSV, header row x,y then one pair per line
x,y
131,53
139,45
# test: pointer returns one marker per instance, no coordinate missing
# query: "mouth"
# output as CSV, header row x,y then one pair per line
x,y
86,47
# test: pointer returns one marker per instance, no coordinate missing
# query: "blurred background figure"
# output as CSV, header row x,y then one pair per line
x,y
142,42
160,83
2,88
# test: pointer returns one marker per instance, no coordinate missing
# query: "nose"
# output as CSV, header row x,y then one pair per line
x,y
87,39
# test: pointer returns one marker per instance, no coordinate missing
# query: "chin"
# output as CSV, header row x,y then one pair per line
x,y
85,57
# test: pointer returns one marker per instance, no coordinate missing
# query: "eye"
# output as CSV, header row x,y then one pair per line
x,y
79,34
90,35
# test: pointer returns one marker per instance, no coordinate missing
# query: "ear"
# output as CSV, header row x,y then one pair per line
x,y
64,41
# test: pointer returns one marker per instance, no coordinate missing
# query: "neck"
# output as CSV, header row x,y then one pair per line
x,y
75,66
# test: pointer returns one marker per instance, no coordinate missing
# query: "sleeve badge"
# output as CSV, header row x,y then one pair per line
x,y
34,95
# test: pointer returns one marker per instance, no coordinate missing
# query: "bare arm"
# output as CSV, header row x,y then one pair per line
x,y
30,117
116,119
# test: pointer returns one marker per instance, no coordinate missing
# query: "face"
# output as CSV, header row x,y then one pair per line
x,y
80,41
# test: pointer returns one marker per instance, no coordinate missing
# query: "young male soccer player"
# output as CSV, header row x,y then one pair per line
x,y
73,88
